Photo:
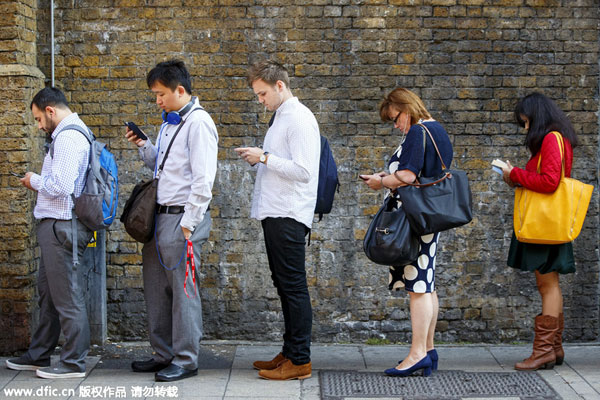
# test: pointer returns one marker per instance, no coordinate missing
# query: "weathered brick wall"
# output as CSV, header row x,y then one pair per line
x,y
470,60
20,144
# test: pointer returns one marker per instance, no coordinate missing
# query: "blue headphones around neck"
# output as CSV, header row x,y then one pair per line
x,y
174,117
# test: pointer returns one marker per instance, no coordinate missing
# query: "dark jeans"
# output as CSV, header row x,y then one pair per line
x,y
285,240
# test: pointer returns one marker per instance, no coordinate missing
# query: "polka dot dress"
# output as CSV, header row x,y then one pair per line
x,y
418,276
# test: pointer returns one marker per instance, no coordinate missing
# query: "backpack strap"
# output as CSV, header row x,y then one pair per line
x,y
90,138
88,135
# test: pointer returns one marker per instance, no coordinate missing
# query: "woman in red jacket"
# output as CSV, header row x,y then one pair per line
x,y
540,116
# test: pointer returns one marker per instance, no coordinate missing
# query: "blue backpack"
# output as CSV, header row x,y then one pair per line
x,y
96,207
328,180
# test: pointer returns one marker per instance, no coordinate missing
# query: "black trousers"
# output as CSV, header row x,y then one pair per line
x,y
285,240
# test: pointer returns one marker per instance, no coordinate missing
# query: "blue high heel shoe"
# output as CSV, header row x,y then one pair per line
x,y
425,365
434,359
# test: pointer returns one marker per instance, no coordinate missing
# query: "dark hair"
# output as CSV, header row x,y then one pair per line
x,y
49,96
268,71
544,117
171,74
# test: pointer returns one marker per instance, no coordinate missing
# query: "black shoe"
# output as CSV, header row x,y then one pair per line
x,y
174,373
147,366
24,363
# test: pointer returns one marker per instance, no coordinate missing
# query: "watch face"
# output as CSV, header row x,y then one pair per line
x,y
262,158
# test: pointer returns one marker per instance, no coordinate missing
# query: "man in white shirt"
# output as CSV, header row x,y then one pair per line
x,y
188,137
284,199
62,302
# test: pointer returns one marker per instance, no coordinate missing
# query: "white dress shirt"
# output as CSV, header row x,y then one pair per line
x,y
286,186
189,172
64,173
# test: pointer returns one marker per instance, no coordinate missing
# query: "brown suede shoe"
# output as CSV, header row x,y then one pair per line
x,y
274,363
286,371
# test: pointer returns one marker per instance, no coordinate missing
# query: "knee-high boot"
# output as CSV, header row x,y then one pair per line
x,y
558,349
543,356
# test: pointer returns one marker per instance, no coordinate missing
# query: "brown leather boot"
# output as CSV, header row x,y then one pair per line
x,y
274,363
286,371
543,356
558,349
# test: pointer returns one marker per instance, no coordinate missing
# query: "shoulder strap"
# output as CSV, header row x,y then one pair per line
x,y
88,135
162,164
434,145
561,148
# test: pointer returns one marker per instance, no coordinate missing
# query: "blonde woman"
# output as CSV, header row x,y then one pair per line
x,y
412,159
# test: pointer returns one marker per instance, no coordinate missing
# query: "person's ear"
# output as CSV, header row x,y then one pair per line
x,y
180,90
280,86
50,110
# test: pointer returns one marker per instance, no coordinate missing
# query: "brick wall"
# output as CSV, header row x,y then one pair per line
x,y
470,61
20,144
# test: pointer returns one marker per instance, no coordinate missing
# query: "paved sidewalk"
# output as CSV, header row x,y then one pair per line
x,y
226,372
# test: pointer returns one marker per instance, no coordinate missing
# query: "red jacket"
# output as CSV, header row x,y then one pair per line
x,y
547,180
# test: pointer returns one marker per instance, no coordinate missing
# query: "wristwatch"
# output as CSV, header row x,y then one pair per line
x,y
263,157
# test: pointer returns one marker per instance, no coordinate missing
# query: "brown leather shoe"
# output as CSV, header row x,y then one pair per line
x,y
286,371
274,363
543,356
558,349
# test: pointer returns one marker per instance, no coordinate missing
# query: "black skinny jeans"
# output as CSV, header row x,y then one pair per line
x,y
285,241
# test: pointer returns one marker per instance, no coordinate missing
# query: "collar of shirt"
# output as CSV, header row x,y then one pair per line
x,y
289,103
68,120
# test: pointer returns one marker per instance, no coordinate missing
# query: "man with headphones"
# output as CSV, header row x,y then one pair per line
x,y
186,147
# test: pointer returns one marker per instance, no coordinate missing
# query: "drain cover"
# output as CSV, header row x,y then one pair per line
x,y
337,385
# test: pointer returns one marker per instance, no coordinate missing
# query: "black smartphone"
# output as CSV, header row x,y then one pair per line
x,y
363,177
17,175
137,131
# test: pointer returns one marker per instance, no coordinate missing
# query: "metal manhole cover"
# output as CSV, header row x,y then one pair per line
x,y
337,385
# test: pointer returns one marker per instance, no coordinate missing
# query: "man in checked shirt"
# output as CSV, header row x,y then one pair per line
x,y
61,298
285,194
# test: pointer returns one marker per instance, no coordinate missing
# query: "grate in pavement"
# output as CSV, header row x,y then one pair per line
x,y
338,385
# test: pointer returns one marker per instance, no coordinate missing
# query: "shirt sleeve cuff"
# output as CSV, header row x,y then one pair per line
x,y
35,181
187,224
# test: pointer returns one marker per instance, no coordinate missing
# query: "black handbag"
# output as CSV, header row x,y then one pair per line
x,y
139,212
389,239
439,203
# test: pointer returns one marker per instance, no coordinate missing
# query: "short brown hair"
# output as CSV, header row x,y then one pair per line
x,y
405,101
270,72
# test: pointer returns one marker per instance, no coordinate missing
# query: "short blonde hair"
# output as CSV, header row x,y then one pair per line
x,y
268,71
405,101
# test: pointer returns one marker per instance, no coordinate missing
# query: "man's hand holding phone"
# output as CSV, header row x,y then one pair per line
x,y
134,134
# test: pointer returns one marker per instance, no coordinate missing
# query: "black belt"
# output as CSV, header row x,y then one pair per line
x,y
160,209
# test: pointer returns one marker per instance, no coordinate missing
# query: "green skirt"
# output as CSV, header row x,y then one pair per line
x,y
541,257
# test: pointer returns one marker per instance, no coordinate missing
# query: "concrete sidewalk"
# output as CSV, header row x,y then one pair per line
x,y
226,372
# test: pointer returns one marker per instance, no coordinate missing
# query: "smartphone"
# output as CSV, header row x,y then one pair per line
x,y
17,175
363,177
137,131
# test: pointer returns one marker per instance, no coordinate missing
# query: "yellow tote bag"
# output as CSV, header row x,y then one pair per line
x,y
552,218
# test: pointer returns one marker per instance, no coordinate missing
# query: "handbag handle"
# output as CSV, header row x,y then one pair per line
x,y
561,145
446,174
434,145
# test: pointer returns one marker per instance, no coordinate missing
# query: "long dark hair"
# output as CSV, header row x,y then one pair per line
x,y
544,117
